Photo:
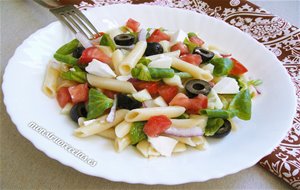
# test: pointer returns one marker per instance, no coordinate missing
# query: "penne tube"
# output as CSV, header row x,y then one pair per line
x,y
180,147
199,121
132,58
121,143
117,58
185,140
108,133
195,71
66,110
143,114
122,129
143,148
111,84
65,83
50,82
95,126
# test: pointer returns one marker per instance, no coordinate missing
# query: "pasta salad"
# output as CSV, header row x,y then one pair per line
x,y
161,91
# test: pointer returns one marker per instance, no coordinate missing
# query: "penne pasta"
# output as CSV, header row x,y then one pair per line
x,y
108,133
50,82
95,126
122,129
143,114
143,148
117,58
66,110
185,140
111,84
195,71
199,121
180,147
121,143
132,58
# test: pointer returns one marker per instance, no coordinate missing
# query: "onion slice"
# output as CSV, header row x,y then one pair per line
x,y
86,43
184,132
111,116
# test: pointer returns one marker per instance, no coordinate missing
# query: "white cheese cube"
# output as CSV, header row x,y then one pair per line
x,y
214,102
174,81
163,145
166,45
100,69
227,85
178,36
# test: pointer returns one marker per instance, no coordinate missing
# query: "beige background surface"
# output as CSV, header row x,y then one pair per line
x,y
24,167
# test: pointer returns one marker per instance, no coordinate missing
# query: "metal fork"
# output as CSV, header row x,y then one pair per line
x,y
71,17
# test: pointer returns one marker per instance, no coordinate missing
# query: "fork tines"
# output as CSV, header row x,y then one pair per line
x,y
75,20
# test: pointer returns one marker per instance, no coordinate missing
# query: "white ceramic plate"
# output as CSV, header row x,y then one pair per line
x,y
272,116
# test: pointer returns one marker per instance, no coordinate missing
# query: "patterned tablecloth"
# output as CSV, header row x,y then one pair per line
x,y
279,36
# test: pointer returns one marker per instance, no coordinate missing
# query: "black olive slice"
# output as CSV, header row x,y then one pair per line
x,y
153,49
196,86
77,52
126,102
77,111
206,55
223,130
124,39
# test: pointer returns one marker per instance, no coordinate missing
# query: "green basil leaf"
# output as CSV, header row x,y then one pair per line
x,y
68,59
222,66
97,103
213,125
256,82
219,113
242,103
136,133
107,41
68,48
78,75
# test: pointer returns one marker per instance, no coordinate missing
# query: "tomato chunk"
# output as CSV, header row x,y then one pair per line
x,y
133,25
152,87
238,68
180,100
193,105
158,36
79,93
157,125
94,53
198,103
196,40
109,93
193,59
63,96
180,46
167,92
